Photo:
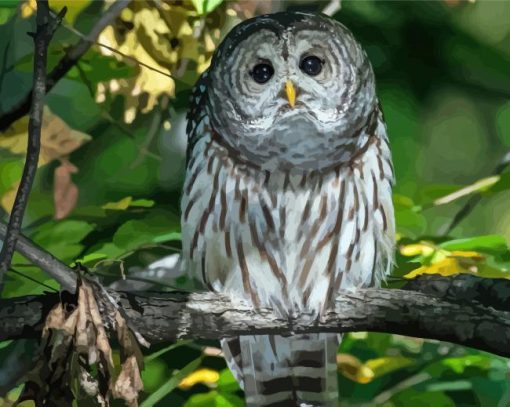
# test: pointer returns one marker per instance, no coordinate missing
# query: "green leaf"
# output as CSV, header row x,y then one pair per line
x,y
206,6
455,385
172,383
145,203
100,68
135,233
167,237
214,399
412,397
91,258
160,352
31,281
154,372
128,202
410,222
227,382
62,238
503,184
68,231
460,364
488,244
7,12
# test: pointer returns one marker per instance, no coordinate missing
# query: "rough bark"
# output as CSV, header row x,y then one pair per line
x,y
162,317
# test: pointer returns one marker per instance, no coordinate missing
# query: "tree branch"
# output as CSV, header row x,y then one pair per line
x,y
46,27
65,275
70,58
468,207
170,316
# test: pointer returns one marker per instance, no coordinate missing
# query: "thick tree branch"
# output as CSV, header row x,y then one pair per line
x,y
167,317
46,27
70,58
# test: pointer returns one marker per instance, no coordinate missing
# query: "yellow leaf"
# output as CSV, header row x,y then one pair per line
x,y
74,7
119,205
445,267
171,37
447,263
363,373
57,138
469,254
387,364
205,376
8,197
28,8
423,249
352,368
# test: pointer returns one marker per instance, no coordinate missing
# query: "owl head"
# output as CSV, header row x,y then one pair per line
x,y
291,90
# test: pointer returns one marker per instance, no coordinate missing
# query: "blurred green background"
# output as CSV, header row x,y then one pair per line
x,y
108,187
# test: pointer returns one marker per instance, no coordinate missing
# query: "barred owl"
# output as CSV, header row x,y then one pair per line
x,y
287,196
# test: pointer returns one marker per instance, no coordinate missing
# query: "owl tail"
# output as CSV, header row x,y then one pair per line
x,y
281,371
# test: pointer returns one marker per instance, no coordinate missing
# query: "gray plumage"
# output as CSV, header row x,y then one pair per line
x,y
287,197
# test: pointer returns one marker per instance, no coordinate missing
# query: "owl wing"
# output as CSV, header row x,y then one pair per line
x,y
196,112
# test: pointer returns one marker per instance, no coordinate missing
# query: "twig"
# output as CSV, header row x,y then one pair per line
x,y
12,270
46,27
167,317
67,62
475,199
154,129
44,260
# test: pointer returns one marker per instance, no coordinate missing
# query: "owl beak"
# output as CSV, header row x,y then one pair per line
x,y
291,93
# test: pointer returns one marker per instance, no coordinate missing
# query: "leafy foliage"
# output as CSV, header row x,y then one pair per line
x,y
108,187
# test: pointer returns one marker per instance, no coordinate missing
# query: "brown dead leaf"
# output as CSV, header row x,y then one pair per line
x,y
76,359
65,192
129,382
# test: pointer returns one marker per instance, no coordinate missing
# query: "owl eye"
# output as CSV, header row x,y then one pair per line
x,y
311,65
262,72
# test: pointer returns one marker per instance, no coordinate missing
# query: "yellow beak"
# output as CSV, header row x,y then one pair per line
x,y
291,93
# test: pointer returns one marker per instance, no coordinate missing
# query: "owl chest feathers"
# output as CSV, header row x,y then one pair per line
x,y
289,240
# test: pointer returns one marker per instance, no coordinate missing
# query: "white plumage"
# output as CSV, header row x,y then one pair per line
x,y
289,221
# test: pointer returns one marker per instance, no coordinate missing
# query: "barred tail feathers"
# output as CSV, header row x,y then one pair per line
x,y
285,371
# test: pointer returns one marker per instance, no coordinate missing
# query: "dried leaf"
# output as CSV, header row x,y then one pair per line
x,y
77,360
65,192
129,382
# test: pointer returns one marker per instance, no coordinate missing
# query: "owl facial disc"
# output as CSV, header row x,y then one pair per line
x,y
291,90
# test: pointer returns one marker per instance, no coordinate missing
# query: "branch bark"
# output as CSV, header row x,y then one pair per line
x,y
65,275
172,316
70,58
46,27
